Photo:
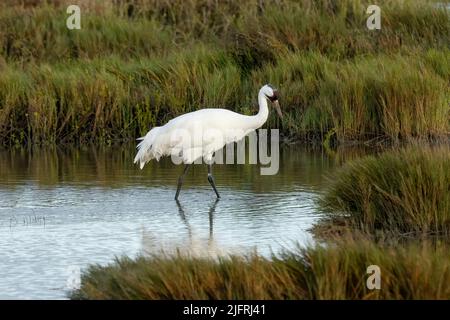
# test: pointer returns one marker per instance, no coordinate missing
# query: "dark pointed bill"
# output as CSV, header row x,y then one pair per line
x,y
277,108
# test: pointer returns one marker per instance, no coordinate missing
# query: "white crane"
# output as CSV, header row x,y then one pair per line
x,y
201,133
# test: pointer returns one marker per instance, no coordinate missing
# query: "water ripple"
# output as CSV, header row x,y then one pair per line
x,y
53,220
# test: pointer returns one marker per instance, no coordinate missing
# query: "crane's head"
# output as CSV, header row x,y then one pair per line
x,y
272,95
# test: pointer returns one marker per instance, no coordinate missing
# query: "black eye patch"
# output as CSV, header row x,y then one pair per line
x,y
274,97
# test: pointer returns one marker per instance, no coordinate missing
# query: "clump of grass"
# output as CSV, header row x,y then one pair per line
x,y
339,271
181,277
13,96
333,272
400,192
392,96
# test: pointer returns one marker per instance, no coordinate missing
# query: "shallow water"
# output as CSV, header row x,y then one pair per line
x,y
62,209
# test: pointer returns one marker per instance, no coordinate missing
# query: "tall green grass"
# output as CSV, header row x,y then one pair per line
x,y
252,30
135,64
110,99
105,99
400,192
394,96
332,272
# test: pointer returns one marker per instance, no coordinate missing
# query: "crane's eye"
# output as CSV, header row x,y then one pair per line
x,y
275,95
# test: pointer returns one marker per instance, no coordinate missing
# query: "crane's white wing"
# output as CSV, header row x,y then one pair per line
x,y
194,135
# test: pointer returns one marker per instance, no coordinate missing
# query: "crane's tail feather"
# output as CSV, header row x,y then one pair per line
x,y
145,150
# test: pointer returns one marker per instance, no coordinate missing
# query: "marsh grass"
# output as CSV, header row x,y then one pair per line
x,y
415,271
400,192
109,99
136,64
392,96
252,30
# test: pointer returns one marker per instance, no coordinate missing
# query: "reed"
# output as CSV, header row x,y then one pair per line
x,y
399,192
109,99
393,96
251,30
332,272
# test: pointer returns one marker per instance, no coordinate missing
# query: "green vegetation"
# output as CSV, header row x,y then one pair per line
x,y
416,271
406,191
136,64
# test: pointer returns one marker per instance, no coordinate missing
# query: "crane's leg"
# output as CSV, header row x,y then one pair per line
x,y
211,180
180,180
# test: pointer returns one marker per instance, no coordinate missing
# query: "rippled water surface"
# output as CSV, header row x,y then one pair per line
x,y
63,209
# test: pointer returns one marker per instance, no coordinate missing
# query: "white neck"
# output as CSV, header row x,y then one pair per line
x,y
261,117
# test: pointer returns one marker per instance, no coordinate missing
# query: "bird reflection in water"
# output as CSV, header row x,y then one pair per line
x,y
211,247
195,246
